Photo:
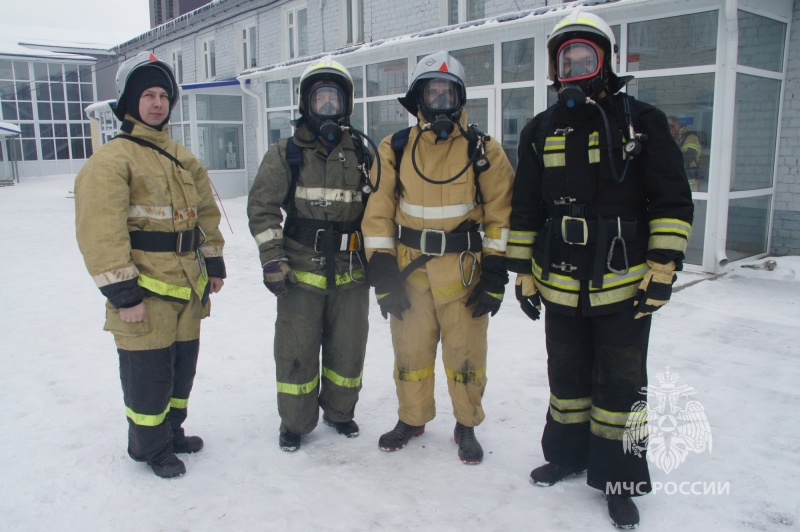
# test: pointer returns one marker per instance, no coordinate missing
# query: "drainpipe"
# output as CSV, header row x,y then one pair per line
x,y
262,115
721,191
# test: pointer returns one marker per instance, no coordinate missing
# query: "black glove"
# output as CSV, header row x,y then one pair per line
x,y
384,276
276,275
488,293
528,295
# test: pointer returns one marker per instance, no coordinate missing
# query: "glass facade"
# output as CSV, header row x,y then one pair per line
x,y
47,100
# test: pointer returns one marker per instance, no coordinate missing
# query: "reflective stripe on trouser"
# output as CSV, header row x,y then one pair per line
x,y
154,378
335,321
596,367
464,347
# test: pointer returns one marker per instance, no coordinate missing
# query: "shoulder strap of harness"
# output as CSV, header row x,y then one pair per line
x,y
294,157
540,135
148,144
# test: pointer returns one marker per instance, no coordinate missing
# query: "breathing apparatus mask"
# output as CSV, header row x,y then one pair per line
x,y
579,66
441,105
327,106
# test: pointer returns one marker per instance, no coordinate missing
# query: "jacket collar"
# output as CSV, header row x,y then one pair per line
x,y
136,128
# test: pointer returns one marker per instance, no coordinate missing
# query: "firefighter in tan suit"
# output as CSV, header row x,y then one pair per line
x,y
147,226
430,266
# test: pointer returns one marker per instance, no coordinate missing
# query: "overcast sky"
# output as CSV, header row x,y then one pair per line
x,y
87,21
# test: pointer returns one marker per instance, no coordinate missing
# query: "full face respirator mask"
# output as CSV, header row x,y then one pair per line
x,y
441,106
326,108
580,71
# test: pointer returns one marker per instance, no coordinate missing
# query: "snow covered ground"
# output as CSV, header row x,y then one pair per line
x,y
733,339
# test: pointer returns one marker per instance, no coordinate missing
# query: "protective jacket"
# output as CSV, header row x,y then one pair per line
x,y
327,190
419,205
589,234
130,199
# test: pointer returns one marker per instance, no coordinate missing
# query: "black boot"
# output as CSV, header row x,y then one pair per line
x,y
346,428
167,465
622,511
469,450
398,437
550,473
289,441
187,444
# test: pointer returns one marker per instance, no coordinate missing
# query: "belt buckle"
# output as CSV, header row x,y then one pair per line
x,y
316,240
179,242
423,242
565,220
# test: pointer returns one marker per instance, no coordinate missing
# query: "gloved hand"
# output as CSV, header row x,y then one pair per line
x,y
655,289
528,296
384,276
488,293
276,273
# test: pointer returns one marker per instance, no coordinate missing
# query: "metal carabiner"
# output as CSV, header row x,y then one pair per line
x,y
467,282
610,255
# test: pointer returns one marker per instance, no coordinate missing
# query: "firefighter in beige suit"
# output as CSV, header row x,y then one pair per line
x,y
147,225
441,183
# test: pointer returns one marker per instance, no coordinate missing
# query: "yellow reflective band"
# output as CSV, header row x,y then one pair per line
x,y
594,139
553,160
690,146
413,375
562,282
605,431
567,418
495,295
174,402
579,403
612,280
594,155
320,281
556,296
670,225
610,418
344,382
677,243
497,233
201,286
519,252
598,299
145,420
555,143
165,289
476,375
522,237
298,389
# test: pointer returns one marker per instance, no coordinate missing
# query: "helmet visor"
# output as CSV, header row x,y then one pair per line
x,y
579,59
326,101
441,96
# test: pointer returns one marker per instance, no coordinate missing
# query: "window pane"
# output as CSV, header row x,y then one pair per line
x,y
71,73
9,111
687,40
86,74
57,92
688,102
296,90
75,130
62,149
25,110
87,94
87,147
475,9
44,111
385,118
45,130
185,107
518,61
74,111
357,118
221,146
517,111
59,113
77,148
212,58
478,63
43,92
387,78
278,126
302,33
6,70
228,108
748,223
694,251
48,150
55,72
358,80
21,70
278,93
477,111
452,11
176,133
29,150
761,42
24,91
60,130
755,129
187,136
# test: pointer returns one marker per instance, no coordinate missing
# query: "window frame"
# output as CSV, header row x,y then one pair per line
x,y
176,62
289,26
247,44
352,26
207,52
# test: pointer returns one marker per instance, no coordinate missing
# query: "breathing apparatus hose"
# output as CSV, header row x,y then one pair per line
x,y
470,162
360,136
617,178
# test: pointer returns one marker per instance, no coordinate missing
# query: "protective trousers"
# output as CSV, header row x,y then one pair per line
x,y
338,322
464,348
157,365
597,368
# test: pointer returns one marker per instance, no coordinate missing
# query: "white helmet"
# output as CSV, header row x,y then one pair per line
x,y
580,24
440,65
326,69
142,59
